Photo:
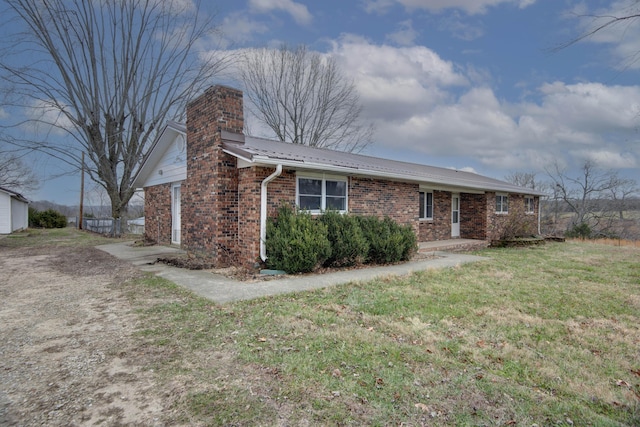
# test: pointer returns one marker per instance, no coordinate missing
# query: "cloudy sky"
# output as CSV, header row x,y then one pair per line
x,y
468,84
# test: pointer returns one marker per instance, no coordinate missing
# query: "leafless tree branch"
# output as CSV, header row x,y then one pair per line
x,y
596,197
102,77
304,98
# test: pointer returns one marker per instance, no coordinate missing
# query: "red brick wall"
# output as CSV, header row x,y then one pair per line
x,y
498,221
473,216
281,189
249,180
210,192
440,227
157,214
377,197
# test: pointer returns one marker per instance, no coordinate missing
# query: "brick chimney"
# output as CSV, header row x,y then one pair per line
x,y
209,201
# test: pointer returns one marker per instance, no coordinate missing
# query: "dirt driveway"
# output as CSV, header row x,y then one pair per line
x,y
68,352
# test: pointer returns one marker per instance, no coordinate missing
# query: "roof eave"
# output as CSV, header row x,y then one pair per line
x,y
142,173
268,161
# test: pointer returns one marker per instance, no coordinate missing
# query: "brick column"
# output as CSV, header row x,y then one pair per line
x,y
210,192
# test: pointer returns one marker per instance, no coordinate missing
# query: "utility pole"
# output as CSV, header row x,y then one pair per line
x,y
81,193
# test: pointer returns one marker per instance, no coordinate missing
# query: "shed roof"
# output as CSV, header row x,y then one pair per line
x,y
268,152
14,194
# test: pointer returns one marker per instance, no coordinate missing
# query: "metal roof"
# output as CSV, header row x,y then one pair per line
x,y
270,153
14,194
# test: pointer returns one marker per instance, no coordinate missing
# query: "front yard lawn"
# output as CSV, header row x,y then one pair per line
x,y
546,335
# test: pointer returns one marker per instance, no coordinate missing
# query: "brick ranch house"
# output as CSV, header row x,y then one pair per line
x,y
210,188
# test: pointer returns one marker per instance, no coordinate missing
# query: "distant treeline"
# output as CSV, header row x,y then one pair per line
x,y
95,211
602,205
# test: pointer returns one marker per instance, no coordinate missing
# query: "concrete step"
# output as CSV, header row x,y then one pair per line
x,y
452,245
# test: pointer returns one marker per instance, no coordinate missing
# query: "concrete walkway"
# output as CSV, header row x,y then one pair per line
x,y
222,289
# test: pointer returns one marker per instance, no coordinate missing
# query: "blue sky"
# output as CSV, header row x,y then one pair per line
x,y
468,84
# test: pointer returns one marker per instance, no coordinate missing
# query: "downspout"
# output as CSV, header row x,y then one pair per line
x,y
539,214
263,211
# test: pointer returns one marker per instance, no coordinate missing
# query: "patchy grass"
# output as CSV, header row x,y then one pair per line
x,y
69,236
542,335
612,242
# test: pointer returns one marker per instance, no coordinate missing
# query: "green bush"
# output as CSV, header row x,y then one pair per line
x,y
388,241
348,244
296,243
582,231
46,219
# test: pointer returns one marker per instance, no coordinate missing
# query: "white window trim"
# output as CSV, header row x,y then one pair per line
x,y
426,190
533,205
323,200
502,211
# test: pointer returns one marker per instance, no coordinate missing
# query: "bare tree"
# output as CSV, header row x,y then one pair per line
x,y
15,174
522,179
304,98
101,77
595,196
627,16
620,192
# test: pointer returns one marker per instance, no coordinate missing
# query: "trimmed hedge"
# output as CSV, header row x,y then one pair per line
x,y
348,244
388,241
298,243
46,219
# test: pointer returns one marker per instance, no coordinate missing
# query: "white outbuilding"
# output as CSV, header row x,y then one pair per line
x,y
14,211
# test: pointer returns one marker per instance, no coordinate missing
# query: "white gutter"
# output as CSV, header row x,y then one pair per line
x,y
263,211
539,214
266,161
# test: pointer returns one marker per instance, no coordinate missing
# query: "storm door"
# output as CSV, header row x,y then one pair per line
x,y
455,215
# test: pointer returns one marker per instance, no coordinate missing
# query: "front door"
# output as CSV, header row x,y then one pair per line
x,y
175,214
455,215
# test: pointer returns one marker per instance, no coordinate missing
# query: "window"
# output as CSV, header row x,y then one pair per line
x,y
502,203
320,194
529,205
426,205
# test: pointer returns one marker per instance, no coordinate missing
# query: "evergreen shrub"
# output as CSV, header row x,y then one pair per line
x,y
296,243
46,219
582,231
348,244
388,241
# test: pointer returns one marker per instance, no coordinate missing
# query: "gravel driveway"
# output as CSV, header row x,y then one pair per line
x,y
68,350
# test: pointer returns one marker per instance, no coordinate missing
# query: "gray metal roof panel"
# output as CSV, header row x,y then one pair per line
x,y
260,150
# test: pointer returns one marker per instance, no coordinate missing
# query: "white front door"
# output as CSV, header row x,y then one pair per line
x,y
175,214
455,215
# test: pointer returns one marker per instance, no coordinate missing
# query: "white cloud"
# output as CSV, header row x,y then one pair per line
x,y
238,27
584,114
3,113
471,7
405,36
610,159
423,103
298,12
460,29
46,118
623,37
408,78
176,7
378,6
